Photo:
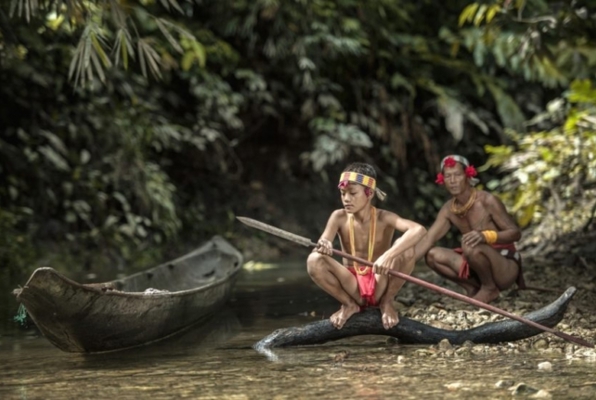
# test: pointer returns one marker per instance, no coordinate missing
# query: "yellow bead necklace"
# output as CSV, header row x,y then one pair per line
x,y
461,211
371,240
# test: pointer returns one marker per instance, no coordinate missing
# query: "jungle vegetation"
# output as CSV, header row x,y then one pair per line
x,y
128,126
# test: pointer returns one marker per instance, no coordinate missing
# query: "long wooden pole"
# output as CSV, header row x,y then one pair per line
x,y
307,242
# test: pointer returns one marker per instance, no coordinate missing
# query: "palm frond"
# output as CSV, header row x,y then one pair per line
x,y
118,14
178,28
123,48
89,56
164,27
173,3
149,57
24,8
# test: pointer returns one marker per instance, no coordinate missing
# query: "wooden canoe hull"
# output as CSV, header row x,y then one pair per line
x,y
90,318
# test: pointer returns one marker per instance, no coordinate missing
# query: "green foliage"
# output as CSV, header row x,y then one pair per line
x,y
101,166
113,31
108,159
16,249
552,173
542,43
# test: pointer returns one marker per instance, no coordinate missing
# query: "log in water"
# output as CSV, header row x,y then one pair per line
x,y
409,331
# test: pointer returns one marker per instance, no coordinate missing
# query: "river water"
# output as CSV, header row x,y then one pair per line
x,y
217,361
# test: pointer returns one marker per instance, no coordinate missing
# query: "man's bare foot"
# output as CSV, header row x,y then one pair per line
x,y
388,315
339,318
487,295
470,289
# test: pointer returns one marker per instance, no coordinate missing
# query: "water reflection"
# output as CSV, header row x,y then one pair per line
x,y
216,360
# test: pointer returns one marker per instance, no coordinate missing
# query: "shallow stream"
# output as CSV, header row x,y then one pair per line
x,y
217,361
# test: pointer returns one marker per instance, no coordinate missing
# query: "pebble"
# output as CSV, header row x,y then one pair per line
x,y
541,394
445,345
504,384
522,388
463,351
441,325
454,385
540,344
545,366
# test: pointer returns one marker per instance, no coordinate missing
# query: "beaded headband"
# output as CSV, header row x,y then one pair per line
x,y
355,177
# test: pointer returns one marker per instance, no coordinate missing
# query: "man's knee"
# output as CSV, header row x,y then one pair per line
x,y
315,263
471,253
431,257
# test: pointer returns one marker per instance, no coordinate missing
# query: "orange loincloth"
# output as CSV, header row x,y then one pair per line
x,y
366,285
506,250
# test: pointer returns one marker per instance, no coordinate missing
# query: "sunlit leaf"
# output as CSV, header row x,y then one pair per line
x,y
123,48
526,215
55,141
453,113
492,11
468,13
54,158
199,52
507,108
480,14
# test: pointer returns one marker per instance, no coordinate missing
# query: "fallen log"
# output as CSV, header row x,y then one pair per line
x,y
409,331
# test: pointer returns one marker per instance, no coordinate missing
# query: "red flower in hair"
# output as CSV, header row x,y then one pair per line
x,y
440,179
449,162
471,171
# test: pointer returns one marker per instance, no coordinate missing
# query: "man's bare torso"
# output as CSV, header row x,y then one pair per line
x,y
478,218
383,235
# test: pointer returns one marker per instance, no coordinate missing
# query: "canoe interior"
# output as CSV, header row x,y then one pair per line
x,y
213,262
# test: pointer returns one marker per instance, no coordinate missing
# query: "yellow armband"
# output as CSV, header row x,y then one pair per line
x,y
490,236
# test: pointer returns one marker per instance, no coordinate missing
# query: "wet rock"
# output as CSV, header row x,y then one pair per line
x,y
341,356
504,384
540,344
478,349
569,348
445,345
406,301
463,351
541,394
441,325
545,366
454,386
522,389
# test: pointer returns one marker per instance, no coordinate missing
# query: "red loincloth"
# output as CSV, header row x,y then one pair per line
x,y
506,250
366,285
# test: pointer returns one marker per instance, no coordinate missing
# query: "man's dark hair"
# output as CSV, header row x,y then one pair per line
x,y
361,168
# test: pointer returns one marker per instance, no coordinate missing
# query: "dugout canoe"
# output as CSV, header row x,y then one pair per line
x,y
136,310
